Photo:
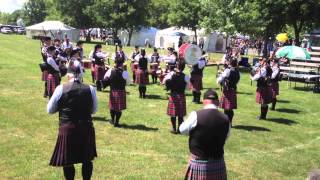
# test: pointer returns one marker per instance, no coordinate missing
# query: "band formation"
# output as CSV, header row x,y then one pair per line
x,y
76,102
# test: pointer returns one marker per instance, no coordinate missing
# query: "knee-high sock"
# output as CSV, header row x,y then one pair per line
x,y
140,91
230,114
45,89
264,111
87,168
180,121
144,90
274,102
198,97
118,116
194,96
173,123
69,172
113,114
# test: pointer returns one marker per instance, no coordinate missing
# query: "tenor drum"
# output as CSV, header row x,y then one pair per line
x,y
190,53
86,63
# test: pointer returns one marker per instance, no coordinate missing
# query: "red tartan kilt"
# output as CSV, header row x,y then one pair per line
x,y
206,169
196,83
44,76
99,72
153,69
141,77
228,99
92,68
275,89
117,100
264,95
52,83
76,143
177,105
134,67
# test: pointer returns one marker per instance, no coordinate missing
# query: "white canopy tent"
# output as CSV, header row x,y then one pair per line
x,y
139,38
213,42
53,29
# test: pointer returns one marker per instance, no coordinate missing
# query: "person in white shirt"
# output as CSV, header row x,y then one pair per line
x,y
67,44
275,78
196,78
75,102
75,61
134,62
53,79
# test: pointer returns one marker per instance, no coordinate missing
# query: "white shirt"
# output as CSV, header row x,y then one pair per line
x,y
52,105
52,63
224,75
114,56
137,58
191,121
65,45
170,74
262,73
125,75
169,59
78,64
275,72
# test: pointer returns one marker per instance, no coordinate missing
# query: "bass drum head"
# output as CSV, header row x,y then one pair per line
x,y
191,53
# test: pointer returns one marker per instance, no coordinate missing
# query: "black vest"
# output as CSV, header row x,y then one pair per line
x,y
155,58
98,61
196,70
177,84
233,79
143,63
50,69
117,82
134,54
265,81
208,137
75,104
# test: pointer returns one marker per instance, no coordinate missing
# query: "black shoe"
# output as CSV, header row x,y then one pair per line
x,y
272,109
111,122
173,132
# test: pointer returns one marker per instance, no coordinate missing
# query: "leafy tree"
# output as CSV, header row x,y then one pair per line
x,y
158,11
34,11
4,18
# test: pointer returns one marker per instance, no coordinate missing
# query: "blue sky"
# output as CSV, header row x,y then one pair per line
x,y
11,5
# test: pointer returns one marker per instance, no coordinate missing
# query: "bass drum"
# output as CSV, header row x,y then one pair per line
x,y
190,53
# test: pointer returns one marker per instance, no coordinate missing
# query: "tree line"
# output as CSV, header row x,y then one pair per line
x,y
255,18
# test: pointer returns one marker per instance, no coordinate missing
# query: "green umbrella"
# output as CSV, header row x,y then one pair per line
x,y
293,52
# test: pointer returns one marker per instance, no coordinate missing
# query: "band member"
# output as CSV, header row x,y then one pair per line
x,y
264,91
154,65
142,78
229,80
99,58
117,79
196,78
75,61
75,144
67,44
275,77
134,64
208,131
171,58
121,55
53,78
176,82
44,53
227,56
93,73
79,47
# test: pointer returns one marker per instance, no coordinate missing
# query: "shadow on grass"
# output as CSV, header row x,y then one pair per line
x,y
99,118
283,101
306,89
290,111
245,93
138,127
282,121
216,88
250,128
153,96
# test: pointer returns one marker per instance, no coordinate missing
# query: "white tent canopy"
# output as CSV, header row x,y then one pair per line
x,y
213,42
54,29
139,38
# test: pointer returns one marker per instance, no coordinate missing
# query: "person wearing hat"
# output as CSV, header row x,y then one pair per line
x,y
264,91
99,58
196,78
53,79
275,78
176,82
142,78
134,65
117,78
208,130
228,81
75,102
154,65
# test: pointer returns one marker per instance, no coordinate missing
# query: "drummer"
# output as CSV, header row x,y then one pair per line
x,y
99,58
134,63
122,56
142,73
171,58
196,78
154,65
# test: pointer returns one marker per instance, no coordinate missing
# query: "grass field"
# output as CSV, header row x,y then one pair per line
x,y
286,146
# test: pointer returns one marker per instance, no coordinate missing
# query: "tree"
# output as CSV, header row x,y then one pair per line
x,y
186,14
34,11
4,18
158,11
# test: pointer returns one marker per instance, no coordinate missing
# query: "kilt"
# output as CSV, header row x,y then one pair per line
x,y
275,89
93,70
134,67
99,72
228,99
117,100
141,77
52,83
44,76
211,169
154,68
177,105
76,143
196,83
264,95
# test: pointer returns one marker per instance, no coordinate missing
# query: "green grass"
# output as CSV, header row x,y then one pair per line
x,y
286,146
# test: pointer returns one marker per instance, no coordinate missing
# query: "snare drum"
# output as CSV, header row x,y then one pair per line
x,y
190,53
86,64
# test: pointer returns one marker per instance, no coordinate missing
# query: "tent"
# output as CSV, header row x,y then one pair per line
x,y
213,42
54,29
139,38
